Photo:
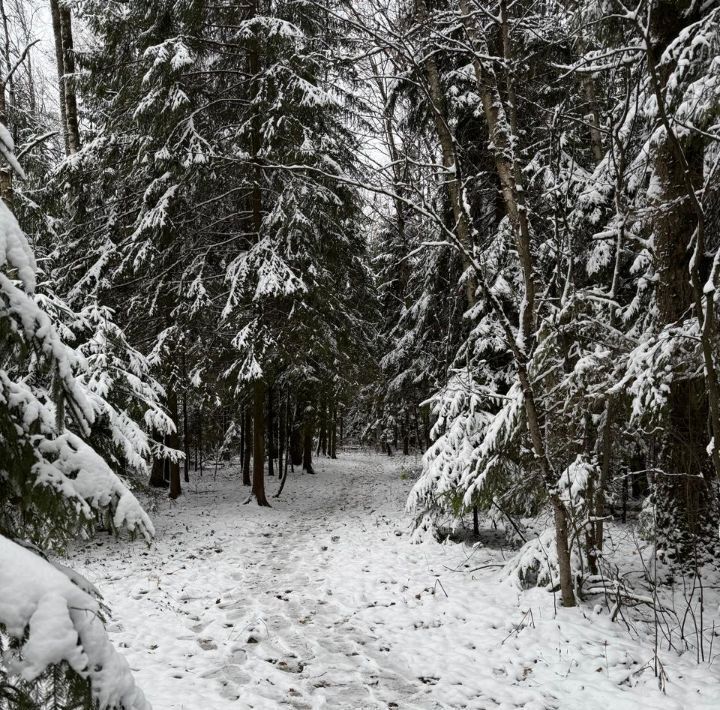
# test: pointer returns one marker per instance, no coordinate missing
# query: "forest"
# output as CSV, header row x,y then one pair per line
x,y
359,354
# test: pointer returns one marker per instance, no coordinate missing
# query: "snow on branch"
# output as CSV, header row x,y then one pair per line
x,y
55,621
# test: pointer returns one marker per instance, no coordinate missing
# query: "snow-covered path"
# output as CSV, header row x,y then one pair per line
x,y
322,601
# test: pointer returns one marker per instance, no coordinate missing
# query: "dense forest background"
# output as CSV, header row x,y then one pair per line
x,y
482,231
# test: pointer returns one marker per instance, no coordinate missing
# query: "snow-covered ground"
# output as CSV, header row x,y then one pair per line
x,y
322,601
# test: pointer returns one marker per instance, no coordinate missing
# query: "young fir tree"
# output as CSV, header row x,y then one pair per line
x,y
54,484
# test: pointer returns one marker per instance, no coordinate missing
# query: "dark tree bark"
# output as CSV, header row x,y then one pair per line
x,y
307,443
271,431
6,175
406,433
200,439
68,55
258,478
296,436
685,507
437,105
55,13
322,435
333,432
157,473
287,428
174,442
248,447
186,438
242,439
196,440
282,429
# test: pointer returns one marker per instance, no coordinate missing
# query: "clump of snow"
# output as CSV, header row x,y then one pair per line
x,y
15,251
535,564
574,481
89,478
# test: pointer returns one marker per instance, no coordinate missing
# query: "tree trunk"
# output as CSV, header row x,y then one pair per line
x,y
509,172
502,135
287,428
68,54
307,443
452,178
271,432
248,447
258,478
296,436
685,508
186,438
196,440
200,439
282,429
406,433
157,473
174,443
242,439
6,182
333,432
6,173
57,34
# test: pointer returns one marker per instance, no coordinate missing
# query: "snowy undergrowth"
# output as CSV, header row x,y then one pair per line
x,y
322,601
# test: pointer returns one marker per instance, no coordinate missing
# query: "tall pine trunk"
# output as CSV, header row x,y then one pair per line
x,y
333,432
684,505
453,179
258,477
270,432
174,443
247,452
186,438
307,443
59,63
157,473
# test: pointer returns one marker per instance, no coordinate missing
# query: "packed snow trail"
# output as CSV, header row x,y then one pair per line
x,y
322,601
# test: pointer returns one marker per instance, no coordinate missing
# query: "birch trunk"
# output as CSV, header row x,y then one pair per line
x,y
68,57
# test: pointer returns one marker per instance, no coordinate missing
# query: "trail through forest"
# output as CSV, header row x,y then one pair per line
x,y
323,601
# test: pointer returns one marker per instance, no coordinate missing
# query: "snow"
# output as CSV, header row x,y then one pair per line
x,y
15,251
87,477
323,601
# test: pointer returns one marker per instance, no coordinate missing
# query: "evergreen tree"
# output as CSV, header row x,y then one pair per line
x,y
53,485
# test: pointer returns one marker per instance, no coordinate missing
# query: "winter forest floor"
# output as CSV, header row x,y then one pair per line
x,y
322,601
